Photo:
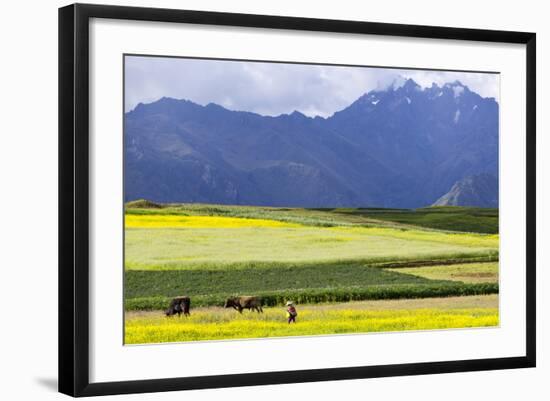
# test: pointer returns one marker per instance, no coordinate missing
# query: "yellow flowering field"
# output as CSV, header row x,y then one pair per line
x,y
221,324
178,221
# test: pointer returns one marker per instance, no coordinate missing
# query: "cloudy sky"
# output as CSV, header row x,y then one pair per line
x,y
274,88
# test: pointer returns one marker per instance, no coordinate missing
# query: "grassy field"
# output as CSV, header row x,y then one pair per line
x,y
354,317
453,218
312,256
467,273
172,242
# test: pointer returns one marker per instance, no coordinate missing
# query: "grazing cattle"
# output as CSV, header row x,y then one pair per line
x,y
179,305
240,303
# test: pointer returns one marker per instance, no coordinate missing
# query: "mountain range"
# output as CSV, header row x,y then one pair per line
x,y
403,147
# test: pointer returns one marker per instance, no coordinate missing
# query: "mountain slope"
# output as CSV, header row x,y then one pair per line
x,y
403,147
478,190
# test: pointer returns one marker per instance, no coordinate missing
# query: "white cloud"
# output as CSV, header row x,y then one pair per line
x,y
274,88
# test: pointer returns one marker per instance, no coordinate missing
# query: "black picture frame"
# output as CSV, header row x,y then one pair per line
x,y
74,198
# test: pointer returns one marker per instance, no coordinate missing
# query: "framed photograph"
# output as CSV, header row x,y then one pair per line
x,y
251,199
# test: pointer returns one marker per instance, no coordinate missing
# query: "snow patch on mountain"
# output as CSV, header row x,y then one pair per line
x,y
458,90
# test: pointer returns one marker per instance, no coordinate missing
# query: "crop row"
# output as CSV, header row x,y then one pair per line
x,y
312,296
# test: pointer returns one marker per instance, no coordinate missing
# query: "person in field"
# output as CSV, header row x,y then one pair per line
x,y
291,312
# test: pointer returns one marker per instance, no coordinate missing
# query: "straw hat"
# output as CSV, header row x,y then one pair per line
x,y
290,303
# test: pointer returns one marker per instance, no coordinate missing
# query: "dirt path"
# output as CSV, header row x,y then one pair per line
x,y
476,301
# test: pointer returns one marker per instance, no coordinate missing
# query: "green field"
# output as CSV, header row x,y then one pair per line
x,y
311,256
307,282
453,218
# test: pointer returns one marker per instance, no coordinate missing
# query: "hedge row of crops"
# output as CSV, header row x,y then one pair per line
x,y
311,296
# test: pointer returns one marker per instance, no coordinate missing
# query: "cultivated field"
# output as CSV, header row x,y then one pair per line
x,y
324,259
214,323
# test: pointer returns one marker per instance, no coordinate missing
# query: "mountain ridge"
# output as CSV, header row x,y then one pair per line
x,y
402,147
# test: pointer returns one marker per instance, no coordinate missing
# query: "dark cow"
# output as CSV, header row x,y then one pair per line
x,y
240,303
179,305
